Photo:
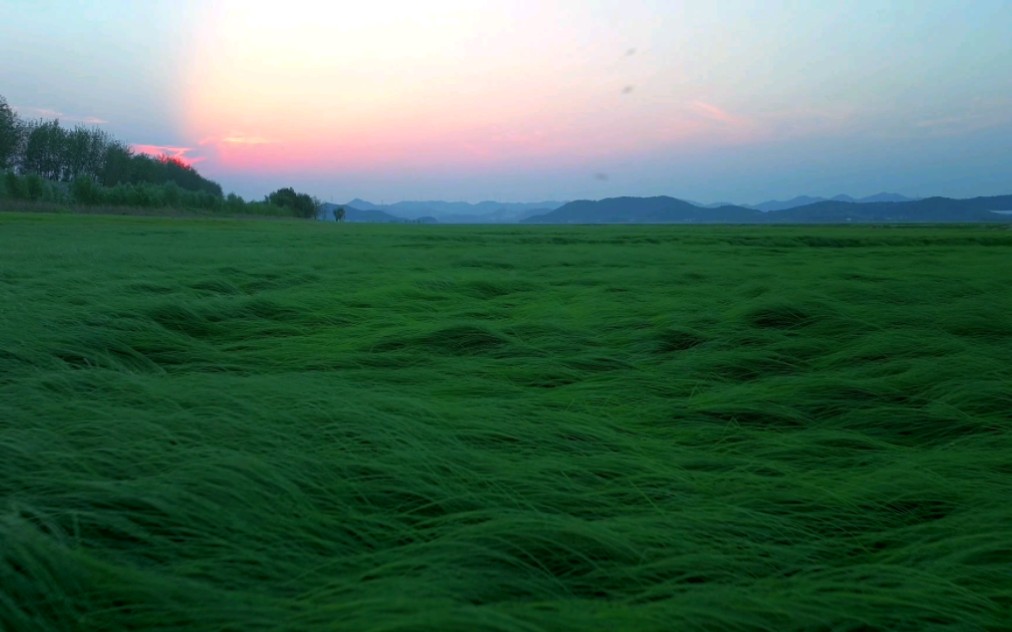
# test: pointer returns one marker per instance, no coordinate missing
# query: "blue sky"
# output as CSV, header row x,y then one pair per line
x,y
516,100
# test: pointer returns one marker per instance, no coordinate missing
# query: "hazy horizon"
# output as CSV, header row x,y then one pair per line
x,y
530,101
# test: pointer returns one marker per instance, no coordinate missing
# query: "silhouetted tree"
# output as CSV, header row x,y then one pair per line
x,y
235,203
44,149
83,152
102,170
10,131
175,170
301,204
339,214
115,164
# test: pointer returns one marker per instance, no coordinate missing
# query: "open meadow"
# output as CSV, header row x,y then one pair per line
x,y
271,425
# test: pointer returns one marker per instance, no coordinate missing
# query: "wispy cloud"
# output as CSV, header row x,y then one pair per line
x,y
807,120
237,139
973,116
240,150
50,113
246,140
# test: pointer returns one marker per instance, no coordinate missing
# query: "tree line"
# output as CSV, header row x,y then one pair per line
x,y
42,161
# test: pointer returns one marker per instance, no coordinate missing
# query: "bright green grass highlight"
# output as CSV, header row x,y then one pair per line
x,y
234,425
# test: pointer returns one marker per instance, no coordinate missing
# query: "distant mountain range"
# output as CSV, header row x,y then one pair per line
x,y
880,208
805,200
668,210
651,210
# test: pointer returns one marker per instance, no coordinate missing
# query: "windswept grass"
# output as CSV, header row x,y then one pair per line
x,y
266,426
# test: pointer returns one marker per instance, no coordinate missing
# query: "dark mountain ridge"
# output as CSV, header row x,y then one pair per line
x,y
668,210
651,210
805,200
930,210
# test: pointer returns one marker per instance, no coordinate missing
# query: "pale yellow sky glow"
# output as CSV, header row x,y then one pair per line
x,y
450,82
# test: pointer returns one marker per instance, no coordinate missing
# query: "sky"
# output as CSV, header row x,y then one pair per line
x,y
530,100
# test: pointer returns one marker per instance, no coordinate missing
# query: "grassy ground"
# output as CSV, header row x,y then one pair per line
x,y
289,425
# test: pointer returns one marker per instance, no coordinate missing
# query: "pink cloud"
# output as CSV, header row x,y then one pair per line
x,y
167,151
714,113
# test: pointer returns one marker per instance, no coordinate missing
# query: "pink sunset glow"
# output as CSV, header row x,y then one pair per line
x,y
421,90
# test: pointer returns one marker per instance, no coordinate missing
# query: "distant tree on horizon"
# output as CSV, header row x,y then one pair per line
x,y
301,204
339,214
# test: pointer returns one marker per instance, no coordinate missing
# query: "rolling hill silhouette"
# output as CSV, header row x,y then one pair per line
x,y
668,210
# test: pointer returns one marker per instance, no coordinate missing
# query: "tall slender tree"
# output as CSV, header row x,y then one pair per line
x,y
10,132
44,150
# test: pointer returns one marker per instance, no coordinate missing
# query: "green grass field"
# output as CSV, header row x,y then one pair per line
x,y
241,425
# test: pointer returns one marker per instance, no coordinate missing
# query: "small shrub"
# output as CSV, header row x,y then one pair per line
x,y
86,191
34,187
